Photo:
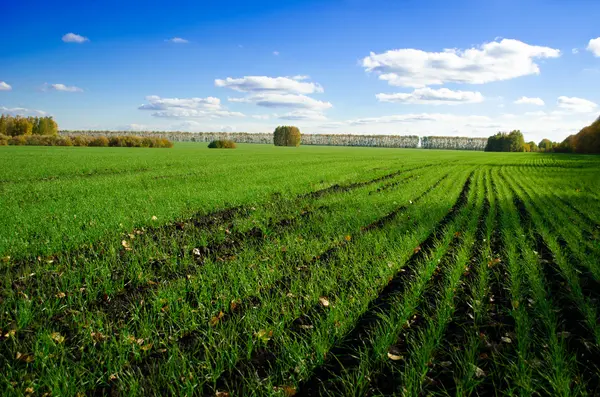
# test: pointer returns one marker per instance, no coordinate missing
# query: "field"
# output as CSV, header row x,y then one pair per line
x,y
308,271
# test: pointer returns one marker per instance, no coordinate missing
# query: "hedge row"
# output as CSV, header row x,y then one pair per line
x,y
82,140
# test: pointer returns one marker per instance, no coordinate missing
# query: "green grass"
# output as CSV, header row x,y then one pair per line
x,y
311,270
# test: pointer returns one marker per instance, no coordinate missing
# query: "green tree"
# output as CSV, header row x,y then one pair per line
x,y
286,136
545,145
20,126
533,146
517,141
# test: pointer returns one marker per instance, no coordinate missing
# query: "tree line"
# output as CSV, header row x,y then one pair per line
x,y
585,141
19,125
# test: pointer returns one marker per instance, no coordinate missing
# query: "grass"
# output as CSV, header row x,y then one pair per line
x,y
298,271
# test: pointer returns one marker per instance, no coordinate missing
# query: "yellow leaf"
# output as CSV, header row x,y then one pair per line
x,y
264,335
147,347
324,301
215,320
57,337
222,394
25,357
394,357
348,238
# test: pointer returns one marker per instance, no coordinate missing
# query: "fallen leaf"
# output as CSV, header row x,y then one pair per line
x,y
97,336
147,347
29,390
417,249
57,337
25,357
60,295
154,218
324,301
222,394
479,373
215,320
113,377
506,339
348,238
264,335
125,245
394,357
288,391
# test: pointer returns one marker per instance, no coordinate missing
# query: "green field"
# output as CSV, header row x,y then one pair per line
x,y
298,271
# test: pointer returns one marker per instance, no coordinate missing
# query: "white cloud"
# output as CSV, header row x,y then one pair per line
x,y
261,116
209,107
594,46
5,86
60,87
443,96
270,84
416,118
303,115
158,103
275,53
74,38
276,100
575,51
21,111
177,40
529,101
577,105
135,127
494,61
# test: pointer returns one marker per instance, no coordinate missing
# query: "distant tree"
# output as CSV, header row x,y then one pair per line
x,y
533,147
286,136
517,141
20,126
545,145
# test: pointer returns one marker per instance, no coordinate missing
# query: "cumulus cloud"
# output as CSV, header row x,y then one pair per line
x,y
276,100
158,103
21,111
294,84
5,86
209,107
443,96
594,46
74,38
494,61
61,87
177,40
577,105
275,53
529,101
575,51
261,116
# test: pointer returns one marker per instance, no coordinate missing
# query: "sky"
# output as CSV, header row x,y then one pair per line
x,y
455,68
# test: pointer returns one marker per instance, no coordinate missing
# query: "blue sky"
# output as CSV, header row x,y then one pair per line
x,y
468,68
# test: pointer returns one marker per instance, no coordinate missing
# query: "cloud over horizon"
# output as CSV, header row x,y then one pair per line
x,y
493,61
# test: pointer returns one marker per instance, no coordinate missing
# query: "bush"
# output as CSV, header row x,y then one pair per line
x,y
17,140
222,144
100,141
286,136
4,140
83,140
80,140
